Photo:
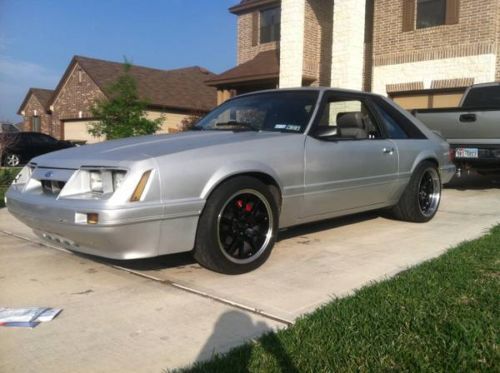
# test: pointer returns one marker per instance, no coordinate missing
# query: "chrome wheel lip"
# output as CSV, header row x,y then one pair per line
x,y
12,160
433,196
269,232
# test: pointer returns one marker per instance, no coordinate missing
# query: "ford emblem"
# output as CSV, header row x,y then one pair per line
x,y
48,174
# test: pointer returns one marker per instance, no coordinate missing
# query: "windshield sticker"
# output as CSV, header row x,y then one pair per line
x,y
287,127
292,127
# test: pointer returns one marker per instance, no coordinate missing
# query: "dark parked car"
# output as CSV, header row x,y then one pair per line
x,y
19,148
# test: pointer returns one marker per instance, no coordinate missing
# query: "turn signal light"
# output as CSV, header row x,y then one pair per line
x,y
92,218
139,189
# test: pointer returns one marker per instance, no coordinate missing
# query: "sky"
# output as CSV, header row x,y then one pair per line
x,y
38,38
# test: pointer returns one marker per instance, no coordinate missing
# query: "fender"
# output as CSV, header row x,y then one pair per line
x,y
238,168
426,154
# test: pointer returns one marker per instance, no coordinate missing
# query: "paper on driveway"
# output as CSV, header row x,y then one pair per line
x,y
27,317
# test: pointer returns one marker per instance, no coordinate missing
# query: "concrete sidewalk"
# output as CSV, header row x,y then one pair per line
x,y
114,320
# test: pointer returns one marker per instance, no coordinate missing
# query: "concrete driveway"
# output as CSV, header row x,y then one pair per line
x,y
167,312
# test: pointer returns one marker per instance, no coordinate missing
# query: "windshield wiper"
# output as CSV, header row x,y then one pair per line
x,y
234,123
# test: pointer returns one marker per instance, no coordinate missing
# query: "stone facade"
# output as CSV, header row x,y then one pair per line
x,y
348,44
33,108
361,44
292,43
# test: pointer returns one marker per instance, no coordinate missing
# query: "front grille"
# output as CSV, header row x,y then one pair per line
x,y
52,187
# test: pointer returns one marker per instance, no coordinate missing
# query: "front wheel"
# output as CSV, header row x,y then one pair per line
x,y
237,229
12,160
420,200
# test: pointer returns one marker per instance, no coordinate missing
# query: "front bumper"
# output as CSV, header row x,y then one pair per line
x,y
142,231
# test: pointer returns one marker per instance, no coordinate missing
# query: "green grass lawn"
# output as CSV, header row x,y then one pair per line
x,y
442,315
6,177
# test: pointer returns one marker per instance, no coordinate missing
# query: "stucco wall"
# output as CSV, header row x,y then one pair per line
x,y
171,120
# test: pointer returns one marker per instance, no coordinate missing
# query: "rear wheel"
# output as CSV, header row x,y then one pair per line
x,y
12,160
238,227
420,200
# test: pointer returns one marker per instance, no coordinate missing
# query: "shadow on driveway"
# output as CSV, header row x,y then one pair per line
x,y
233,323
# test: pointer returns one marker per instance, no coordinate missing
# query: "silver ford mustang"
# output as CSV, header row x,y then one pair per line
x,y
259,162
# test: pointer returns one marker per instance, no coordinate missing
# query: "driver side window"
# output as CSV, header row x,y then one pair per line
x,y
347,119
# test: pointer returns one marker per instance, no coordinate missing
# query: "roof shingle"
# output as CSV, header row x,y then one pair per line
x,y
263,66
183,89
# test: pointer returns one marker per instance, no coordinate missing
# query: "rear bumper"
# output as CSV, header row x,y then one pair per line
x,y
447,172
488,156
125,233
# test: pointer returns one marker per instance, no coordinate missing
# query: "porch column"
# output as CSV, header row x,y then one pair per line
x,y
292,43
348,44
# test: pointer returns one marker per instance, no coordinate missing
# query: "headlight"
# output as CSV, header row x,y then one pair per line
x,y
105,181
96,185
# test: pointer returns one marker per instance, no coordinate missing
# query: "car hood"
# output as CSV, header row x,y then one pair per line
x,y
124,151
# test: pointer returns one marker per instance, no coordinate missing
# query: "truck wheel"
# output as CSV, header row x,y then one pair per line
x,y
238,227
420,200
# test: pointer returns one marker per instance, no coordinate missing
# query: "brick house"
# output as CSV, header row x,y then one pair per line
x,y
35,110
422,53
66,112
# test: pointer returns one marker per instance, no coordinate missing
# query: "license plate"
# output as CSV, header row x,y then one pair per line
x,y
466,153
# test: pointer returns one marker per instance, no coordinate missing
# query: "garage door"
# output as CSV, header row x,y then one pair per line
x,y
427,100
77,130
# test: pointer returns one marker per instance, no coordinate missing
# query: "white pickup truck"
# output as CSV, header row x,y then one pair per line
x,y
473,129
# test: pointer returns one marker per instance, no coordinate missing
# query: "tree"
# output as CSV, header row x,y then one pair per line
x,y
189,122
123,113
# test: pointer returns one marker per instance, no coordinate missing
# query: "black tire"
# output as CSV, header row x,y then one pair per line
x,y
11,160
414,205
249,234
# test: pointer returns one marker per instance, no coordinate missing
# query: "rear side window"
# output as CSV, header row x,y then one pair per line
x,y
483,97
398,119
392,127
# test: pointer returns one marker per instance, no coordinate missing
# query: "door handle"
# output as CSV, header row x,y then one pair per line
x,y
388,150
468,118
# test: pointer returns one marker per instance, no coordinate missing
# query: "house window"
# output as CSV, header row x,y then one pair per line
x,y
35,124
431,13
270,20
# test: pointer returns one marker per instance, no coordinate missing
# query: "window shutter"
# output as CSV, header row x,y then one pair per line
x,y
408,15
255,28
452,11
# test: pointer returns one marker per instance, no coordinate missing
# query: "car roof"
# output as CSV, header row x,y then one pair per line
x,y
311,89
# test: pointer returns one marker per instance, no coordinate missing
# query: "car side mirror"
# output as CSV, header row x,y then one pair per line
x,y
324,132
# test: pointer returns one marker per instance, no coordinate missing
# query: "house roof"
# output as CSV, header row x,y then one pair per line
x,y
182,89
43,96
245,6
263,66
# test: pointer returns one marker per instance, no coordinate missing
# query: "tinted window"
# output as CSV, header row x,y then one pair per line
x,y
287,111
431,13
270,25
394,112
483,97
391,125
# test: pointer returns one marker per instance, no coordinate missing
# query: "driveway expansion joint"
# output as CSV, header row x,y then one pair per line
x,y
170,283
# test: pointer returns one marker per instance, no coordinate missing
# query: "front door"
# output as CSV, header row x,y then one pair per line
x,y
349,163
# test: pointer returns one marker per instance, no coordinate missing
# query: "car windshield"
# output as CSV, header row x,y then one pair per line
x,y
286,111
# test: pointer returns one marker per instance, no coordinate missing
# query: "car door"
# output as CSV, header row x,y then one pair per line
x,y
350,164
